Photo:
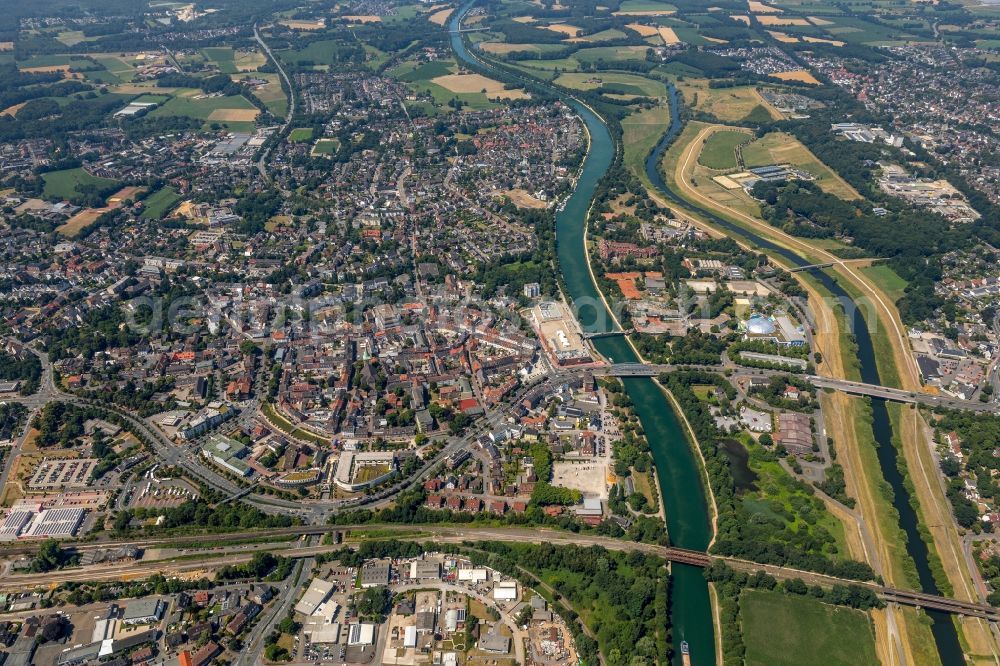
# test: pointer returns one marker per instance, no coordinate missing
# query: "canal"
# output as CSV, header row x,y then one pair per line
x,y
942,627
683,493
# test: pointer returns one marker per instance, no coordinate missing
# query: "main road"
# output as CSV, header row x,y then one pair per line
x,y
262,162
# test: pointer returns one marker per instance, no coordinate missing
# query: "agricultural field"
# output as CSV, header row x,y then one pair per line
x,y
271,93
781,148
644,8
444,82
727,104
783,629
234,111
719,151
640,132
613,82
63,184
222,57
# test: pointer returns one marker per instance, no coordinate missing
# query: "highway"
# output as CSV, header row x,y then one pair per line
x,y
262,162
854,388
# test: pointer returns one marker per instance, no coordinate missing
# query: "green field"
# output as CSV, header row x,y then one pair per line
x,y
719,151
411,72
157,204
202,109
640,132
223,57
63,183
887,280
645,6
780,629
300,134
326,147
607,81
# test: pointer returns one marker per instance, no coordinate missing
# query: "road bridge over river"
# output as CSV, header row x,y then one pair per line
x,y
854,388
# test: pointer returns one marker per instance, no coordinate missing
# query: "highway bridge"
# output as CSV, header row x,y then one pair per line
x,y
853,388
810,267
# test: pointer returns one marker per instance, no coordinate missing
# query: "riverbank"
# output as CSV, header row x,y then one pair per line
x,y
683,498
797,252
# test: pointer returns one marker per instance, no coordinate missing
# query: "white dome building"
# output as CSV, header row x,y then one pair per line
x,y
758,325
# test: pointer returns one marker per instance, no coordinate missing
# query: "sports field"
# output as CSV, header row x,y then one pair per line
x,y
784,629
157,204
300,134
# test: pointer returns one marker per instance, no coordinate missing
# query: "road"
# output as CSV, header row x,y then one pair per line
x,y
262,162
854,388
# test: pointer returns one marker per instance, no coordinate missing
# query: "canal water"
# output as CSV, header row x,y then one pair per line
x,y
944,631
683,493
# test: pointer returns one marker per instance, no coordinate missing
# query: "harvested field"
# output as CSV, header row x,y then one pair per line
x,y
820,40
81,221
783,38
522,199
818,21
503,48
761,8
304,25
367,18
125,194
777,20
643,30
12,110
742,18
647,12
800,75
714,40
669,36
473,83
441,17
249,61
88,216
6,46
563,29
52,68
234,115
524,19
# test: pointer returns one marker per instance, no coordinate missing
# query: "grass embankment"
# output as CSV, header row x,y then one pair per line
x,y
850,428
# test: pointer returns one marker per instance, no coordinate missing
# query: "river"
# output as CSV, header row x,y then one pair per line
x,y
944,631
678,471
